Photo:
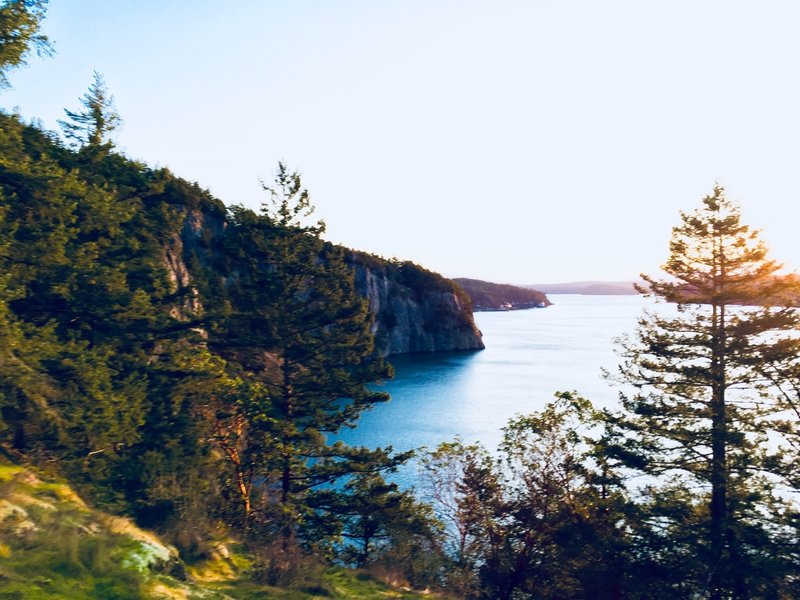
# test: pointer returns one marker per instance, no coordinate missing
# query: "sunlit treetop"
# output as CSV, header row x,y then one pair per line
x,y
714,257
92,126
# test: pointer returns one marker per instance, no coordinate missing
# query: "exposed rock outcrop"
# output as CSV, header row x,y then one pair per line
x,y
416,310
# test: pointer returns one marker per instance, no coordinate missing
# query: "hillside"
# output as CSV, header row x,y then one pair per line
x,y
187,365
55,546
587,288
499,296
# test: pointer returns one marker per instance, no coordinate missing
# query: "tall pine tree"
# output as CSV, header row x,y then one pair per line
x,y
90,128
290,299
705,413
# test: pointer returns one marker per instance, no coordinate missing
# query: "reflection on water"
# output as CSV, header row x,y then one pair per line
x,y
530,354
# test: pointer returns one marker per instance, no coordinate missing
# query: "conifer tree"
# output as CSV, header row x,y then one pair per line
x,y
291,298
704,411
92,126
87,335
370,515
67,295
20,22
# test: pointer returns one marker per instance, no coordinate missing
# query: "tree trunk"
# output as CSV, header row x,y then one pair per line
x,y
286,474
719,471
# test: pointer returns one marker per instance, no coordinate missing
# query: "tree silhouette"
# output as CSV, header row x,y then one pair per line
x,y
704,410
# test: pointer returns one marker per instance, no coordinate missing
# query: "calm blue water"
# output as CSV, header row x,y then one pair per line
x,y
530,354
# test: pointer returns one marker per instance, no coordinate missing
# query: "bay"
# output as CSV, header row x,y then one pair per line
x,y
529,355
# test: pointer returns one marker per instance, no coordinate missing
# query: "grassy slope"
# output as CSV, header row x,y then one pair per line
x,y
54,546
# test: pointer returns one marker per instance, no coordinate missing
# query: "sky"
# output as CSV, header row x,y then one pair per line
x,y
513,141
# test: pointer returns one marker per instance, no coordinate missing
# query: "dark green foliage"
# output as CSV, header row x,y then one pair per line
x,y
89,315
418,278
191,367
544,518
375,519
288,312
185,415
56,229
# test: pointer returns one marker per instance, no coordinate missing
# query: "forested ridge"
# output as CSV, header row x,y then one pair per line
x,y
499,296
197,393
191,404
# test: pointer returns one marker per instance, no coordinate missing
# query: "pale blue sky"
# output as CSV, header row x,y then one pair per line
x,y
514,141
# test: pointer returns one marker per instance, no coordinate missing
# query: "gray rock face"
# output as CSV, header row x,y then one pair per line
x,y
192,240
415,310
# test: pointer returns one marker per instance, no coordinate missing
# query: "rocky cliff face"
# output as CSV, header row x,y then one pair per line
x,y
415,310
191,245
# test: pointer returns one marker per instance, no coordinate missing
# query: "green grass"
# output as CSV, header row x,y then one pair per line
x,y
8,471
336,584
54,547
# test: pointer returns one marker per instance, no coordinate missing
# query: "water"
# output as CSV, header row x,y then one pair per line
x,y
529,355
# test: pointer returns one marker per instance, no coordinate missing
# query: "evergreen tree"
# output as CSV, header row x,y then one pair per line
x,y
236,416
378,525
20,21
705,412
91,127
87,312
290,299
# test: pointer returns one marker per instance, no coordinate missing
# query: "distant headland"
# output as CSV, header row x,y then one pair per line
x,y
487,296
587,288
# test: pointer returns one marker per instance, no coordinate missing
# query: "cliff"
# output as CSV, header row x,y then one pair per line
x,y
416,310
501,296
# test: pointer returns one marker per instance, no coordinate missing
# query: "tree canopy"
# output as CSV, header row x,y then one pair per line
x,y
20,24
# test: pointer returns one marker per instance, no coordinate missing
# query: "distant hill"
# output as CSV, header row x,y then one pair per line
x,y
778,290
587,288
499,296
